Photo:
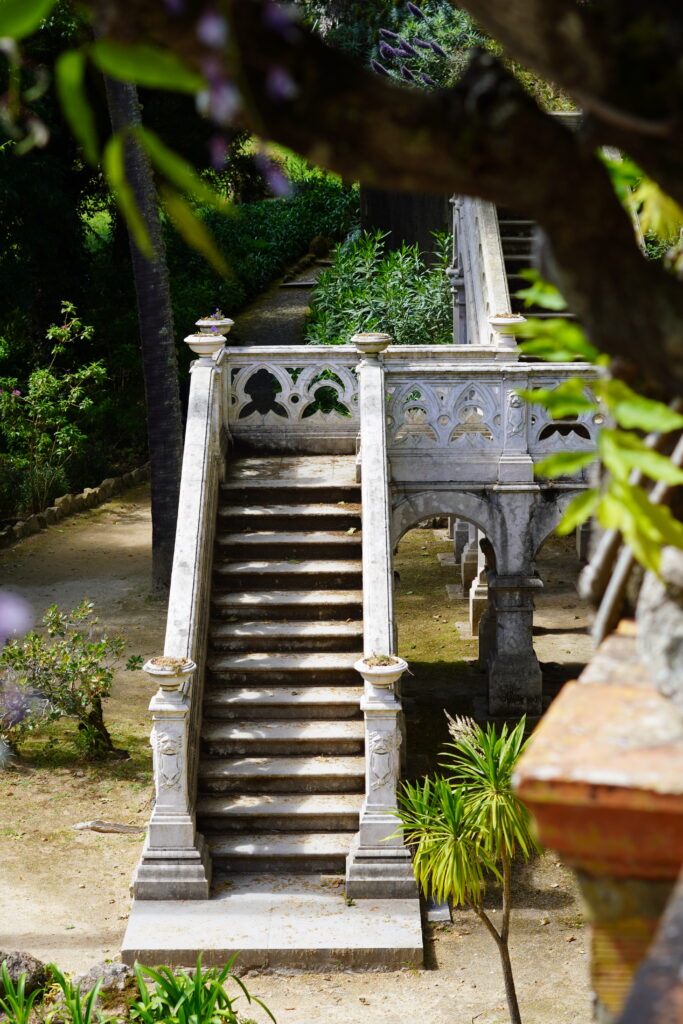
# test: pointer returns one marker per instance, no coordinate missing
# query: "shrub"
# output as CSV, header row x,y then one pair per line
x,y
43,422
66,673
369,289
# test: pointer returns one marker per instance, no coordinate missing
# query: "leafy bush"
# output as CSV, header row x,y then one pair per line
x,y
43,422
66,673
369,289
258,242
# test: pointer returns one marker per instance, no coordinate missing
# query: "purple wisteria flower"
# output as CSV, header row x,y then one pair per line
x,y
439,50
387,34
406,49
212,29
280,85
174,6
282,19
274,178
422,43
387,52
223,101
16,393
426,79
15,615
379,68
218,151
416,12
406,74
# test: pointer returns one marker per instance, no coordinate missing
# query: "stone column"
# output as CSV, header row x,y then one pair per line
x,y
461,536
516,465
378,867
479,593
174,863
583,536
515,681
469,560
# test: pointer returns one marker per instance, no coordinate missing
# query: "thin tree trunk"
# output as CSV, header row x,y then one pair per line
x,y
501,941
157,339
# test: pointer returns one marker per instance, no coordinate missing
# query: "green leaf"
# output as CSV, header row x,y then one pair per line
x,y
145,65
69,74
18,18
564,463
177,170
540,292
193,230
658,212
567,399
113,162
578,511
556,341
621,452
632,411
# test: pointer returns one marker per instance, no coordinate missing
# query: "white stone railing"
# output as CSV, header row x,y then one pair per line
x,y
174,862
462,421
300,398
481,267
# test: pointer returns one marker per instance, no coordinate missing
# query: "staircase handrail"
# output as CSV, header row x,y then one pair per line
x,y
482,267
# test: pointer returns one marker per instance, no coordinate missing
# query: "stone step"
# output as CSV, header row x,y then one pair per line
x,y
287,490
282,775
309,516
282,851
256,702
304,667
293,574
287,604
285,636
274,736
311,543
316,812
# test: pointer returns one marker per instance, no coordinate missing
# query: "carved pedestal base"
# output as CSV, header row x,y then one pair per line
x,y
515,679
479,598
383,872
173,874
469,564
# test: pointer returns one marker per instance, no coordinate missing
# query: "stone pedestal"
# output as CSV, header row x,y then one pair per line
x,y
583,536
515,680
461,535
379,865
469,560
174,863
479,593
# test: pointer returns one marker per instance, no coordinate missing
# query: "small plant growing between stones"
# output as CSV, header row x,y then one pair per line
x,y
66,672
16,1003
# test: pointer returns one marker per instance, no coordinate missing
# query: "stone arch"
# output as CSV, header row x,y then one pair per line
x,y
547,515
476,508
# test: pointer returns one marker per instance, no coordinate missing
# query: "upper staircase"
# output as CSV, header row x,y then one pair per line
x,y
516,237
281,772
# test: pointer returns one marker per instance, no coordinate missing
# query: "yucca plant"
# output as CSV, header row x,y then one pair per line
x,y
468,826
82,1009
16,1003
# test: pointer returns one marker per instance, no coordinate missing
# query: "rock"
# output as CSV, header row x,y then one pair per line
x,y
53,514
32,525
90,497
41,519
115,977
6,537
127,480
77,503
23,963
659,615
19,530
108,487
139,475
65,503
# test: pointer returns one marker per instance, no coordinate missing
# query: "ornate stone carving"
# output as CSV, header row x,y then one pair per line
x,y
384,758
168,748
516,415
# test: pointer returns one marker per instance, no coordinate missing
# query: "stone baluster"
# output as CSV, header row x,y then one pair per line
x,y
378,865
174,863
516,465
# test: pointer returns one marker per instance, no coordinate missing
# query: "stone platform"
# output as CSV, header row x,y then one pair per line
x,y
276,921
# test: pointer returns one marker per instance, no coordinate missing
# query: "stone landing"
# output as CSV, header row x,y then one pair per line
x,y
276,921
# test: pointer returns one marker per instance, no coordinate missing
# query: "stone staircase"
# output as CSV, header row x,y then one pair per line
x,y
516,236
281,774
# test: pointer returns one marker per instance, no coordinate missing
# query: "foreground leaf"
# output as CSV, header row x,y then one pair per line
x,y
69,74
581,508
113,163
145,65
621,452
18,18
634,412
564,463
178,171
193,230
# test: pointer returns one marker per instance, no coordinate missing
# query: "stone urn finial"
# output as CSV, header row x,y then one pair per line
x,y
169,673
503,325
206,345
371,344
382,671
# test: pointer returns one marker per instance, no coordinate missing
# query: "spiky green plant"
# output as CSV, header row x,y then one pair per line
x,y
468,826
16,1003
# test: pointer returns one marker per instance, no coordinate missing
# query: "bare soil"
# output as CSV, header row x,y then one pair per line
x,y
65,894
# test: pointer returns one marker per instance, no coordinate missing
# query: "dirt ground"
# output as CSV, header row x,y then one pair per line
x,y
65,894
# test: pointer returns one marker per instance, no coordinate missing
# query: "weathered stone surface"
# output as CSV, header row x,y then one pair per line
x,y
19,530
6,537
65,503
32,525
139,475
19,963
90,497
77,503
660,626
115,977
127,480
41,519
53,514
108,487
